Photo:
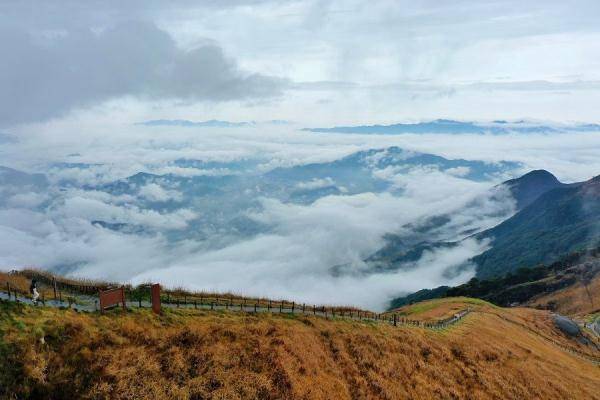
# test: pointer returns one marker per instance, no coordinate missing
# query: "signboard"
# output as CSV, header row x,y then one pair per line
x,y
155,294
112,297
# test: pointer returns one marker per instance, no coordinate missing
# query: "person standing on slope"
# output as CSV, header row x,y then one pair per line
x,y
34,292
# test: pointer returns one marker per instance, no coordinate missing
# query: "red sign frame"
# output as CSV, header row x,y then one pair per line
x,y
112,297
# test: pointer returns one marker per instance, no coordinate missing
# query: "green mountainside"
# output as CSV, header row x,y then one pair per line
x,y
518,286
559,222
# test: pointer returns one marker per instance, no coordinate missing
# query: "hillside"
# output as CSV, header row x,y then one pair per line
x,y
581,299
560,221
493,353
573,279
443,231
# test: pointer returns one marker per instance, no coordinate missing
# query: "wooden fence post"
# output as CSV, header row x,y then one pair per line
x,y
395,324
212,305
255,308
281,307
8,289
54,288
195,304
293,306
303,308
314,310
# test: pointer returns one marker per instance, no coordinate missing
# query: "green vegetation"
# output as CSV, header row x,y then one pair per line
x,y
518,286
561,221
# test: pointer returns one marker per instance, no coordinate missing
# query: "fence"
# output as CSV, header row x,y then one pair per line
x,y
233,303
284,307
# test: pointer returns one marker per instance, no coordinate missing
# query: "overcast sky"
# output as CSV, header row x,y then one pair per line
x,y
312,62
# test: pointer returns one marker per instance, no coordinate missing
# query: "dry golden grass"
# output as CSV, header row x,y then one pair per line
x,y
21,285
492,354
437,309
577,299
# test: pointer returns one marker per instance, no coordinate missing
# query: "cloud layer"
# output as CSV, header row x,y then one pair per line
x,y
281,248
46,74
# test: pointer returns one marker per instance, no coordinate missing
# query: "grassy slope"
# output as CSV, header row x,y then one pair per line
x,y
233,355
437,309
577,300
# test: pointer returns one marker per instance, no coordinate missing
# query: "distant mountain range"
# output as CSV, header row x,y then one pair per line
x,y
446,126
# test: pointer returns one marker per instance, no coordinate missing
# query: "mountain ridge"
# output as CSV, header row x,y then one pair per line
x,y
561,220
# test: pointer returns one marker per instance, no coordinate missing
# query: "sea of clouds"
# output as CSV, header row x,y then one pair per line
x,y
293,254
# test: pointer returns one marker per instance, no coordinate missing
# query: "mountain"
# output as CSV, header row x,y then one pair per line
x,y
358,167
558,222
530,186
446,126
400,251
567,286
437,126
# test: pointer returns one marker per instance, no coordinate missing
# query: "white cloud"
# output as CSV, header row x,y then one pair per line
x,y
295,260
315,184
26,200
92,209
154,192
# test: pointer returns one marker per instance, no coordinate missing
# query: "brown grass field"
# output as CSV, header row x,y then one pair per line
x,y
577,300
492,354
433,310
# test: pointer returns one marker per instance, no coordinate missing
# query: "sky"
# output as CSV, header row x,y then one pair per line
x,y
77,78
318,63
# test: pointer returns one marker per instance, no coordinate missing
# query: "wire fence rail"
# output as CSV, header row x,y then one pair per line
x,y
82,296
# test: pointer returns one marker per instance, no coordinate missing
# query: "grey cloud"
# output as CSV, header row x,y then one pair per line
x,y
46,76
